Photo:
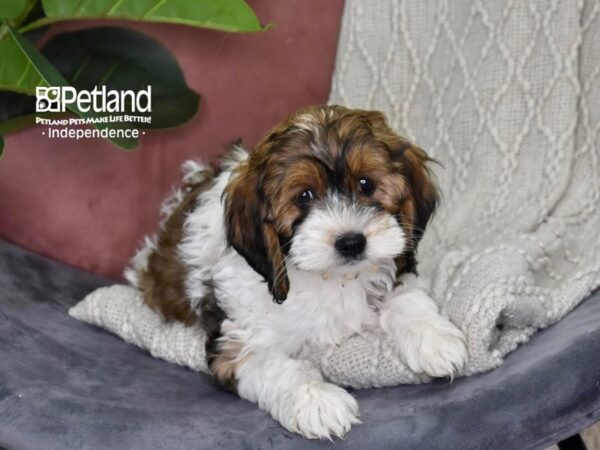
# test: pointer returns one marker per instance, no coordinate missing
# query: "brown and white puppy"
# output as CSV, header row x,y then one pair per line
x,y
300,244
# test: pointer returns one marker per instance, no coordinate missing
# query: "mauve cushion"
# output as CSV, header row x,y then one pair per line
x,y
65,384
89,204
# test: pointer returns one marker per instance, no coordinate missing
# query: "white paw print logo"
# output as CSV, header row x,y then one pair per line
x,y
47,99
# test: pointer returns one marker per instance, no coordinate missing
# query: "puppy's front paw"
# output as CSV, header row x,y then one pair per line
x,y
434,346
322,411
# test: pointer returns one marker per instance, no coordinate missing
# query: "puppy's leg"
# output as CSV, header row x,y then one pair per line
x,y
426,341
295,394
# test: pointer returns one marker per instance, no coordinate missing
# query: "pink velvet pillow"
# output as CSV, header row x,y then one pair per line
x,y
88,204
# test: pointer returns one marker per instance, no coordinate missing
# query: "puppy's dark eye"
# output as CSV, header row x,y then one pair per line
x,y
366,186
305,197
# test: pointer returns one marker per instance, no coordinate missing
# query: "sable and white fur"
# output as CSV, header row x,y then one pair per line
x,y
329,300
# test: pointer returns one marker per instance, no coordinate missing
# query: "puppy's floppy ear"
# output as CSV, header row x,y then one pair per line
x,y
250,229
424,190
424,199
412,162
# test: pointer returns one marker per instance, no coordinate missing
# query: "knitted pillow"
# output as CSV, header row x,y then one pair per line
x,y
365,361
362,361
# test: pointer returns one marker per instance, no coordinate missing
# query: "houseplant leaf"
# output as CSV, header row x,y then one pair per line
x,y
17,111
226,15
24,68
17,73
128,60
11,9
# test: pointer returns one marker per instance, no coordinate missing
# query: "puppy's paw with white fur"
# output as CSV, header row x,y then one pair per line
x,y
322,411
434,346
426,341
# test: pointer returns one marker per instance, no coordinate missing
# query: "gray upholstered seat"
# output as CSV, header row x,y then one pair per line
x,y
65,384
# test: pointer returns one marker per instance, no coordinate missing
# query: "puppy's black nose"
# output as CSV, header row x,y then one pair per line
x,y
351,245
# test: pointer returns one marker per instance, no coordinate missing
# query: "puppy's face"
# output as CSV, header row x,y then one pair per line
x,y
329,190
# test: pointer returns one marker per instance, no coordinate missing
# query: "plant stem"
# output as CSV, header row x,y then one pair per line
x,y
36,24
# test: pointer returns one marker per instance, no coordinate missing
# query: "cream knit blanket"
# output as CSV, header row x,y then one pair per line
x,y
506,95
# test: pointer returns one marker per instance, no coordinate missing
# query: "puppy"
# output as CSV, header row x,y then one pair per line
x,y
305,241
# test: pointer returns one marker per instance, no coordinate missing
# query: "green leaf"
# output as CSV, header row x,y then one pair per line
x,y
24,68
13,105
11,9
28,119
17,73
123,59
226,15
129,60
18,123
1,146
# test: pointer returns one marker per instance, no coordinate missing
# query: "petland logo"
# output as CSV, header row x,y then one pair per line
x,y
121,109
99,100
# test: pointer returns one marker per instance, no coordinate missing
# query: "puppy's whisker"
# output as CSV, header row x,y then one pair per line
x,y
411,227
281,269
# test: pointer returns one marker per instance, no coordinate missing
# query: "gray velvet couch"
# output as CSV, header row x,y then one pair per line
x,y
66,385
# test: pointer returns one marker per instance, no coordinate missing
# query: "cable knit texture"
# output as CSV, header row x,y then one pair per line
x,y
506,95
